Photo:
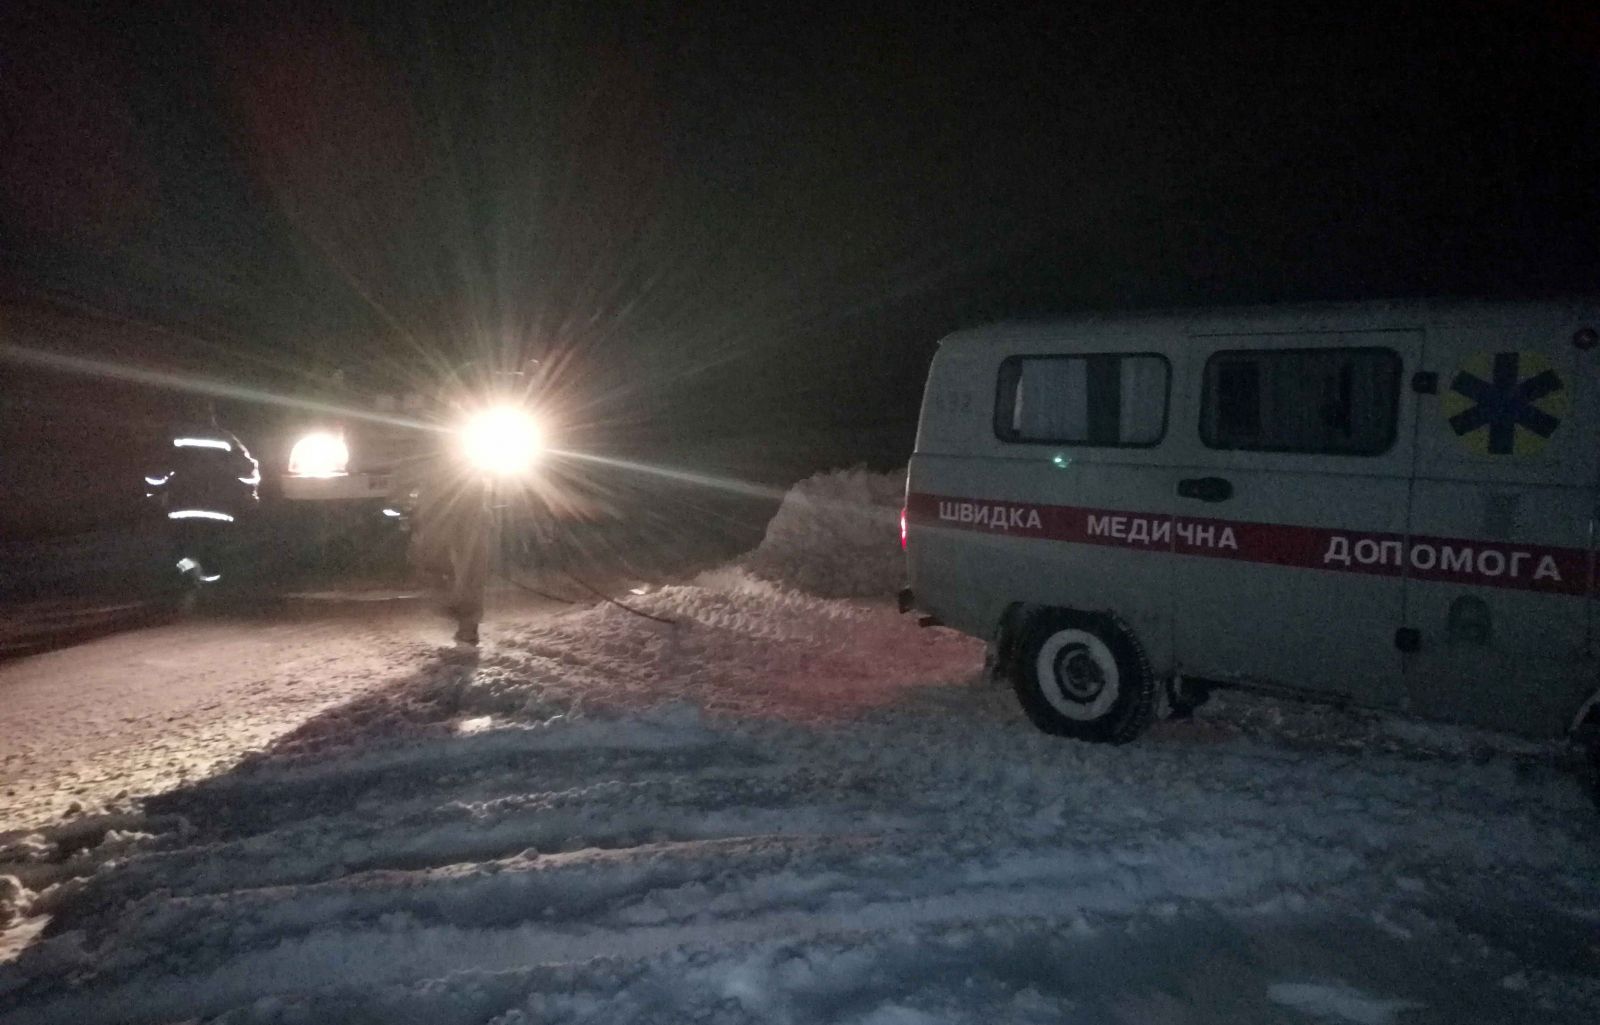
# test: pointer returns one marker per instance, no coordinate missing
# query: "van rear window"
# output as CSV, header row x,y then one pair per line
x,y
1110,400
1326,401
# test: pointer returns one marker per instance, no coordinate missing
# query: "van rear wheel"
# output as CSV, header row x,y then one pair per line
x,y
1086,677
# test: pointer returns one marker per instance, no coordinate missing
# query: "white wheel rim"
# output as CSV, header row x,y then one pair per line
x,y
1070,696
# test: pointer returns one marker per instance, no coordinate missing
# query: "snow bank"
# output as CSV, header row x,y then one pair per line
x,y
732,645
836,536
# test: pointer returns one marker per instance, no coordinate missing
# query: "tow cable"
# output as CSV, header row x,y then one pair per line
x,y
606,597
514,582
519,585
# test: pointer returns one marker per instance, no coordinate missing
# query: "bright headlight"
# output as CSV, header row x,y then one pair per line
x,y
502,440
319,454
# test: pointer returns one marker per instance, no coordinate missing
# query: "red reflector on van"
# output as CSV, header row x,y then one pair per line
x,y
902,528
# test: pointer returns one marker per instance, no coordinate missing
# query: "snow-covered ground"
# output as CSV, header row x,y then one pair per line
x,y
783,808
84,728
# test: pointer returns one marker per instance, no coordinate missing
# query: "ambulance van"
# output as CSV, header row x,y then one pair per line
x,y
1390,505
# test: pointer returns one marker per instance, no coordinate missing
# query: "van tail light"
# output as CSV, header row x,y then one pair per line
x,y
902,528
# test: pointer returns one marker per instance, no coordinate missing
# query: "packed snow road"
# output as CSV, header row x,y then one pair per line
x,y
85,727
766,806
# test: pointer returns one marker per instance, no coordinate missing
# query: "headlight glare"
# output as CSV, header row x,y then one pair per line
x,y
502,440
319,454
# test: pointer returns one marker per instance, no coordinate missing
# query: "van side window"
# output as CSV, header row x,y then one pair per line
x,y
1327,401
1111,399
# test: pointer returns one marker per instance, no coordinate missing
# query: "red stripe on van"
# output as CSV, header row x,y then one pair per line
x,y
1447,559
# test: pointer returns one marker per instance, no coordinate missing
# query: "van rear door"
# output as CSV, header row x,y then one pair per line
x,y
1292,510
1506,468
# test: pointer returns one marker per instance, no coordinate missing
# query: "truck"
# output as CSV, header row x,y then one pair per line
x,y
342,473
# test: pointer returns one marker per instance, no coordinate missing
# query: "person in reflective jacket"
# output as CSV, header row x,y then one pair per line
x,y
204,483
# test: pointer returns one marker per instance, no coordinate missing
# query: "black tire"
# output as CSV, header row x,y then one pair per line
x,y
1084,676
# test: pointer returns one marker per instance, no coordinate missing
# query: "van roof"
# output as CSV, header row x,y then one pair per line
x,y
1386,314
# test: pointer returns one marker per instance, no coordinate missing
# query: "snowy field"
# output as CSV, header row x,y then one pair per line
x,y
780,807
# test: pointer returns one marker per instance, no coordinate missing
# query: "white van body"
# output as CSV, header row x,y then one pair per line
x,y
1388,504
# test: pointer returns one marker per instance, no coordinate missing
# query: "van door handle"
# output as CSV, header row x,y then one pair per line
x,y
1206,489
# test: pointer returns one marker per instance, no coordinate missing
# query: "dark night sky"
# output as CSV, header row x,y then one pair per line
x,y
726,220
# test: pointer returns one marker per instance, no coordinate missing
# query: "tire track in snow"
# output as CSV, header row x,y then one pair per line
x,y
336,946
420,834
678,892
